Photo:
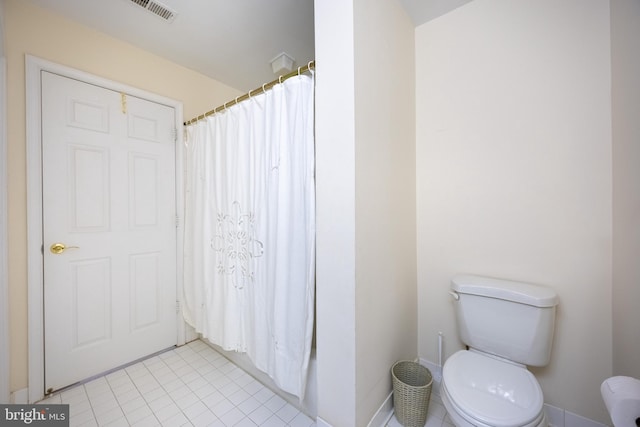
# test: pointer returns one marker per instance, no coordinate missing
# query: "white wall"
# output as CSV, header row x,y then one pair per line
x,y
386,306
335,212
625,55
514,173
365,150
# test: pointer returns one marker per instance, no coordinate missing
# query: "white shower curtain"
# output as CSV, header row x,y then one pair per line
x,y
249,259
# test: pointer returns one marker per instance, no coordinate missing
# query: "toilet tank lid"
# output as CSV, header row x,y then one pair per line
x,y
524,293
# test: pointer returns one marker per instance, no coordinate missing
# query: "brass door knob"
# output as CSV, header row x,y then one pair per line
x,y
58,248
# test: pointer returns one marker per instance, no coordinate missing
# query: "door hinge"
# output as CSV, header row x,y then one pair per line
x,y
177,221
177,306
123,102
175,135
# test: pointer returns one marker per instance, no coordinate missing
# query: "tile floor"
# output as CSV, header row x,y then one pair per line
x,y
436,415
193,385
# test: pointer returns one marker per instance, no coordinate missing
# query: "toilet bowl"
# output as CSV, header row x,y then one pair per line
x,y
506,327
480,390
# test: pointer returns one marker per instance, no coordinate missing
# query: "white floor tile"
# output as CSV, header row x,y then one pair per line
x,y
189,377
436,415
182,393
82,417
193,411
238,397
187,401
120,381
177,420
226,385
263,395
253,387
109,416
70,393
433,422
161,402
260,415
205,391
274,421
167,412
133,405
287,413
222,407
275,403
127,396
243,380
73,398
437,410
139,414
196,383
154,394
249,405
151,421
120,422
245,422
213,399
233,417
301,420
204,419
101,406
80,407
173,385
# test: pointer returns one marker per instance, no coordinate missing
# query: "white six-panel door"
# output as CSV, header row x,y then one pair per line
x,y
108,170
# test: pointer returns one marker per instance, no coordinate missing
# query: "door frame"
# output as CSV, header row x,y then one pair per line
x,y
5,340
35,257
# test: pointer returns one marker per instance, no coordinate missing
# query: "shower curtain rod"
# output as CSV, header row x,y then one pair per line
x,y
310,66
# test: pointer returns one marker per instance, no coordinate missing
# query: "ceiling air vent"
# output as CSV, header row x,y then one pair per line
x,y
157,9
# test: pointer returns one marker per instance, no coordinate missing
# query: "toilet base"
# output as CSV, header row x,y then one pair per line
x,y
459,421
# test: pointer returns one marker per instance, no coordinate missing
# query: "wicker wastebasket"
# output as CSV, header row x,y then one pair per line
x,y
411,391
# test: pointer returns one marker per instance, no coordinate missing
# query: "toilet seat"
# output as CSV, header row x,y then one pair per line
x,y
486,391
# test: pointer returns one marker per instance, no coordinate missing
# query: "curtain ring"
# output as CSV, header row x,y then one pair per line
x,y
299,70
263,89
280,79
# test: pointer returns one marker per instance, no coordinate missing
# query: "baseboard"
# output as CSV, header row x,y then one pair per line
x,y
5,339
20,397
322,423
558,417
384,413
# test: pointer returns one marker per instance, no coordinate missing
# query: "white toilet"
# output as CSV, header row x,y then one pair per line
x,y
506,326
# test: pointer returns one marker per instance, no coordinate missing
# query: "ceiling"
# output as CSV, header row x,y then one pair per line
x,y
232,41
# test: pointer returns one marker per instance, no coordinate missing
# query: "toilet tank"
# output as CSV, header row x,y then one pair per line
x,y
513,320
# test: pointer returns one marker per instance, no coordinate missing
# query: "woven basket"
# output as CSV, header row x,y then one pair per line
x,y
411,391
